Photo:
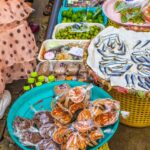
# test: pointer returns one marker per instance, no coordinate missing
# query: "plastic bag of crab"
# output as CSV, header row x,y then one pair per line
x,y
75,122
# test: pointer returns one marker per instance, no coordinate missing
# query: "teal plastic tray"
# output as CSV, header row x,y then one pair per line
x,y
75,9
42,96
65,3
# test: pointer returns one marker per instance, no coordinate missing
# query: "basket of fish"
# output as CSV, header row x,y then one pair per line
x,y
119,61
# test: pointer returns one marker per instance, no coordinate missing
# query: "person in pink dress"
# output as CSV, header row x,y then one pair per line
x,y
17,46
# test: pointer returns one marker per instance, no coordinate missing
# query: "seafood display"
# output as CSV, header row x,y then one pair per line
x,y
64,70
55,50
75,122
120,60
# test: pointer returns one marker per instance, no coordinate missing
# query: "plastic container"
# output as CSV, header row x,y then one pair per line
x,y
21,107
75,9
61,42
63,25
65,3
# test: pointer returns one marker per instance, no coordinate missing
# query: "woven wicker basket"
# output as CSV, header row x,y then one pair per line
x,y
104,147
137,106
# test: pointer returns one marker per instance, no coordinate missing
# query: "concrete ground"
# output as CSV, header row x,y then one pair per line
x,y
126,138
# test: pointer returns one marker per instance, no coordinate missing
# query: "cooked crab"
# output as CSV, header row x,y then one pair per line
x,y
76,142
75,107
107,104
106,118
95,135
61,134
84,115
83,126
60,115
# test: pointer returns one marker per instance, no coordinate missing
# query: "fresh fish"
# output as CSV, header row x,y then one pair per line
x,y
141,79
143,74
133,79
144,67
147,59
113,44
102,69
103,54
147,84
134,59
117,58
118,40
137,44
127,78
146,43
139,53
108,58
97,42
109,43
115,64
142,85
147,79
140,59
104,48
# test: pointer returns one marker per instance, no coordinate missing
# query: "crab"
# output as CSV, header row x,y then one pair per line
x,y
75,107
76,141
107,104
60,115
61,134
84,115
75,99
106,118
95,110
95,135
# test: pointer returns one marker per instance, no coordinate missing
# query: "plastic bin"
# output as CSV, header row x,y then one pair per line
x,y
65,4
63,25
75,9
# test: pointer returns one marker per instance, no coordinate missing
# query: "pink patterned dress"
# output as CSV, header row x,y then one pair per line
x,y
17,44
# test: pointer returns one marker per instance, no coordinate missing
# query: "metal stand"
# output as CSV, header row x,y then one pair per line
x,y
53,18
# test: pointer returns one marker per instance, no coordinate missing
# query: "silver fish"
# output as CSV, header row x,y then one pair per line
x,y
138,43
147,79
145,44
144,86
108,58
127,78
133,79
141,79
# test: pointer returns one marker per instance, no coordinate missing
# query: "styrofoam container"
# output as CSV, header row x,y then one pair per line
x,y
47,44
64,25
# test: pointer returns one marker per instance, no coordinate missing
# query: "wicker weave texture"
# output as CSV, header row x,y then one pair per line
x,y
139,109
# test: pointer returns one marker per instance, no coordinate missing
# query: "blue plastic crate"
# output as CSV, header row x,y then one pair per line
x,y
65,3
75,9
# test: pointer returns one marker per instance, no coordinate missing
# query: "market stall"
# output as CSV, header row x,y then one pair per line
x,y
93,71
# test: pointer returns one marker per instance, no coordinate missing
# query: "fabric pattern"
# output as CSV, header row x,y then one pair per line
x,y
17,43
